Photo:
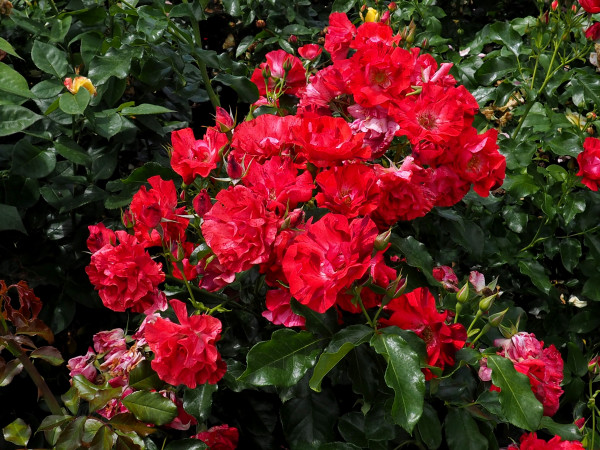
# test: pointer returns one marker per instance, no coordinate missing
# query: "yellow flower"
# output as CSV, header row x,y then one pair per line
x,y
372,15
73,85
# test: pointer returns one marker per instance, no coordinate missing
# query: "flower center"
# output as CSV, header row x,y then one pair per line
x,y
427,120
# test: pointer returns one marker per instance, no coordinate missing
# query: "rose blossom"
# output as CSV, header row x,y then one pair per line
x,y
222,437
83,365
589,163
530,441
591,6
186,353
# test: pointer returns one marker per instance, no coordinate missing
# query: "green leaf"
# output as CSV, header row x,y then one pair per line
x,y
103,439
74,103
429,427
71,437
462,432
567,431
13,82
60,28
198,401
519,405
342,5
70,150
151,407
522,185
145,108
570,252
535,271
143,377
17,432
71,399
573,205
49,59
116,62
10,219
309,421
417,256
495,68
283,360
31,161
48,354
14,118
324,324
5,46
515,220
584,322
586,88
575,360
352,428
9,371
53,421
344,341
186,444
245,89
404,376
127,423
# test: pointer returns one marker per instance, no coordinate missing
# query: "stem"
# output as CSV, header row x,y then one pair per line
x,y
35,376
593,415
214,99
484,330
475,319
362,307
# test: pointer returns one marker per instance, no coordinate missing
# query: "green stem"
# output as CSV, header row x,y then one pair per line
x,y
214,99
593,415
475,319
364,310
484,330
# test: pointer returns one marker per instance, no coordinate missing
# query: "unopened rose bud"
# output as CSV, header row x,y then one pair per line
x,y
293,39
593,365
202,203
496,319
463,294
573,8
486,303
266,72
396,288
260,23
554,5
590,131
372,15
385,18
287,65
425,43
179,253
382,240
392,6
73,85
234,169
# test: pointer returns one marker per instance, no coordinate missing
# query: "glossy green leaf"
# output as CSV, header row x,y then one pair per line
x,y
309,421
186,444
343,5
53,421
352,428
198,401
60,28
283,360
323,324
10,219
338,446
417,256
8,48
584,322
71,399
572,206
429,427
591,288
519,405
144,377
567,431
71,437
495,68
70,150
570,252
586,88
151,407
535,271
404,376
116,62
10,370
17,432
343,341
127,423
97,395
14,118
145,108
13,82
245,89
49,59
74,103
522,185
103,439
31,161
462,432
49,354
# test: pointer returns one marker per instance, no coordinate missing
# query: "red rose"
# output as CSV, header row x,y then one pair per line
x,y
125,276
222,437
239,229
99,237
530,441
350,190
280,65
279,310
417,311
327,258
191,157
589,163
262,138
593,32
310,51
157,208
591,6
339,36
186,353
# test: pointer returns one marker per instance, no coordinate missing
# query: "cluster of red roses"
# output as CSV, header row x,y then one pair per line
x,y
589,163
530,441
326,154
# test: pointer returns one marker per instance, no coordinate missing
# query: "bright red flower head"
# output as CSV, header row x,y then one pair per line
x,y
99,237
239,229
191,157
350,190
157,207
530,441
186,353
262,138
591,6
417,311
222,437
340,33
310,51
125,276
327,141
327,258
279,310
589,163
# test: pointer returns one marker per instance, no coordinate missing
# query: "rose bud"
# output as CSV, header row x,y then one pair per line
x,y
202,203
